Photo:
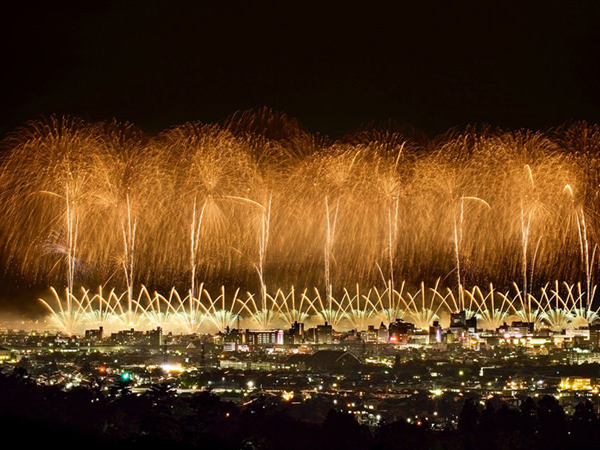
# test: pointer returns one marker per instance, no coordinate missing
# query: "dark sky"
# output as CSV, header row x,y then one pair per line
x,y
432,65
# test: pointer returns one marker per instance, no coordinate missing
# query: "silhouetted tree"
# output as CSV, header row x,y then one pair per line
x,y
584,426
552,426
469,417
341,431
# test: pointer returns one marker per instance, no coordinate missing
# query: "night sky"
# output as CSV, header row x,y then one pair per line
x,y
432,65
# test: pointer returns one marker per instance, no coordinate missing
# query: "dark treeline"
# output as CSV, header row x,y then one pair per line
x,y
117,418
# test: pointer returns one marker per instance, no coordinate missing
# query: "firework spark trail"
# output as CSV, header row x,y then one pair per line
x,y
557,309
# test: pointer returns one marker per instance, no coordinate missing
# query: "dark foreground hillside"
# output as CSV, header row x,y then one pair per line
x,y
44,416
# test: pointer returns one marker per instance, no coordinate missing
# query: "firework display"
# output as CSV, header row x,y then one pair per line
x,y
257,220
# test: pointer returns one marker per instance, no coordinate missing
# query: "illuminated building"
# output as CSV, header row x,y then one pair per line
x,y
156,337
517,333
383,334
268,337
371,335
435,333
576,384
94,335
127,337
5,354
400,331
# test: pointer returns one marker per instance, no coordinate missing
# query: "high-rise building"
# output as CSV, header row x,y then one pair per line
x,y
295,335
324,334
383,334
400,331
155,337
